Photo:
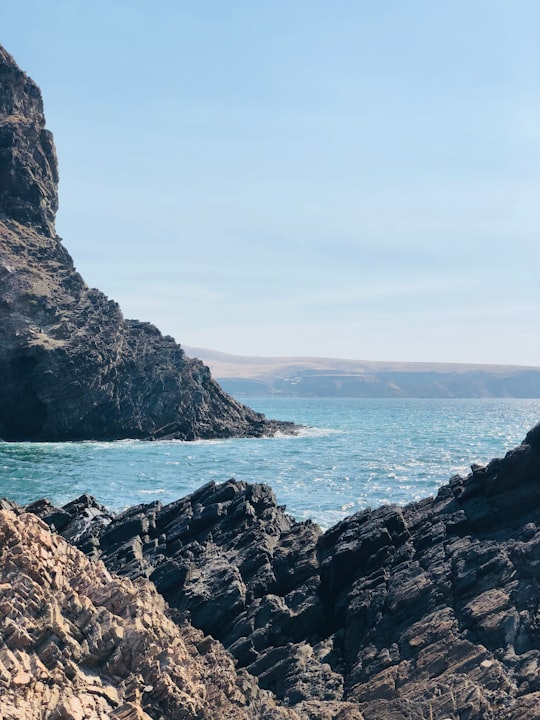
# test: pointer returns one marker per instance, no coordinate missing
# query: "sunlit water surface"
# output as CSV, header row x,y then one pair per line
x,y
353,453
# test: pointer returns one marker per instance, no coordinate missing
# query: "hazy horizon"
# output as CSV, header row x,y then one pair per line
x,y
214,355
298,179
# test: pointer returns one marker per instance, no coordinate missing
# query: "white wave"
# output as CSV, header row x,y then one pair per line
x,y
307,431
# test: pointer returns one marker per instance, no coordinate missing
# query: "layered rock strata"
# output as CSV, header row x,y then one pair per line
x,y
72,367
80,644
428,610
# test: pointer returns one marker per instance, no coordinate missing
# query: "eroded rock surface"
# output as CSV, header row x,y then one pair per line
x,y
428,610
80,644
72,367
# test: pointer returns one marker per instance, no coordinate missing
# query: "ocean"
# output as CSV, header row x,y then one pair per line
x,y
350,454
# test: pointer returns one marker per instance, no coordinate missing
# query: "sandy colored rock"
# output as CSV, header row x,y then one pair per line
x,y
77,643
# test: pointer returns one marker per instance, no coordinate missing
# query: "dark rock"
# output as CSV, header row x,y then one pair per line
x,y
28,166
428,610
72,367
82,521
231,559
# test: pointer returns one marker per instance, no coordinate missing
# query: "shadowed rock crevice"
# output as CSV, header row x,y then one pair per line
x,y
25,414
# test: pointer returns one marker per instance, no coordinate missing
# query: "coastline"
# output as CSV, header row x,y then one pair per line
x,y
440,593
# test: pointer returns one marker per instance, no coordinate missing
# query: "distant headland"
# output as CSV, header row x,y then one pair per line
x,y
251,376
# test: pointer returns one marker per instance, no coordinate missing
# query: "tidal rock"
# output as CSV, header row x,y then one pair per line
x,y
72,367
427,610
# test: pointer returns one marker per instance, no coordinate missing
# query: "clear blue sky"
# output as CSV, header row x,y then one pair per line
x,y
348,179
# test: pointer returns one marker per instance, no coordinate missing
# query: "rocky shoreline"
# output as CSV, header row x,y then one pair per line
x,y
220,605
78,643
427,610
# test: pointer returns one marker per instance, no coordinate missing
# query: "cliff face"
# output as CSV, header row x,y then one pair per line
x,y
28,167
428,610
72,367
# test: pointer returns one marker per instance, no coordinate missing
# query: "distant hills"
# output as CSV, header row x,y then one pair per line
x,y
247,376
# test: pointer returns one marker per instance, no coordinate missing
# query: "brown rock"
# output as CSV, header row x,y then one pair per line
x,y
99,646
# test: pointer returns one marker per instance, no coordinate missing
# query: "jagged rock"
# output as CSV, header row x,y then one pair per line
x,y
427,610
79,644
435,603
72,367
28,166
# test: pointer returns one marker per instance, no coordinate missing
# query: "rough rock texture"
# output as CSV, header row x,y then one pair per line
x,y
424,611
79,644
71,366
28,167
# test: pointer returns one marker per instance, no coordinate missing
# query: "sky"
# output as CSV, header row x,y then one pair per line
x,y
349,179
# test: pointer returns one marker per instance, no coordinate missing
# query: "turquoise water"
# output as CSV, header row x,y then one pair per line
x,y
354,453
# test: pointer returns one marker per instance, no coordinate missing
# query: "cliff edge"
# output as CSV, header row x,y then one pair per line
x,y
72,367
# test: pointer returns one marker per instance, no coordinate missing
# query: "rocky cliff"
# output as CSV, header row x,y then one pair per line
x,y
72,367
403,613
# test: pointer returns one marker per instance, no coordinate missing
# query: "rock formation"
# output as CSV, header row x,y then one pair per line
x,y
403,613
424,611
72,367
78,644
